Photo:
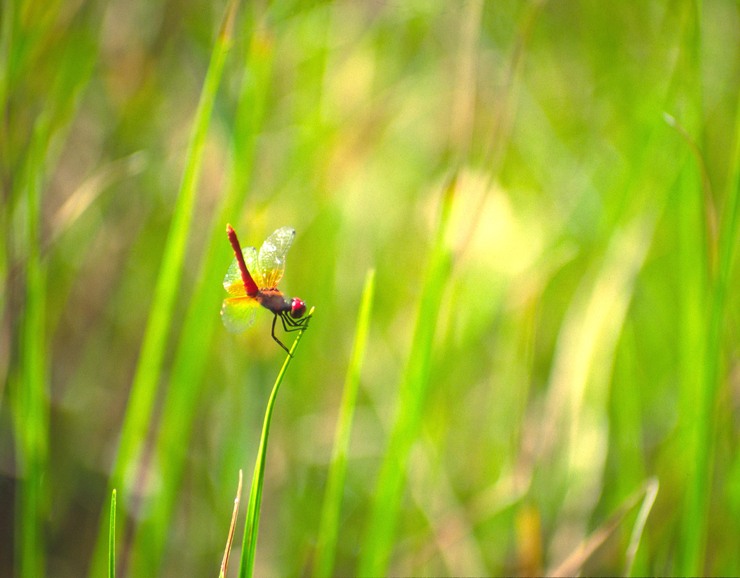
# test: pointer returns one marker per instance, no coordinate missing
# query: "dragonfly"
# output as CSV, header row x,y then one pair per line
x,y
252,280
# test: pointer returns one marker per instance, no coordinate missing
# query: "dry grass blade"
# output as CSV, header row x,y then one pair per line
x,y
573,564
232,528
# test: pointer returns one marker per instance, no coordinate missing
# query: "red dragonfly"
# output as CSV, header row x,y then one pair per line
x,y
252,280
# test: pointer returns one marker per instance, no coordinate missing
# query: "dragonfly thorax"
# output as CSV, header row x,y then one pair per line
x,y
273,300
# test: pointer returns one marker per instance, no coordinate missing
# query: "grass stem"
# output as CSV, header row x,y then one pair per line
x,y
251,528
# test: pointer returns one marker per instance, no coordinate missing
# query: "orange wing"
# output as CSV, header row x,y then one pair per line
x,y
237,313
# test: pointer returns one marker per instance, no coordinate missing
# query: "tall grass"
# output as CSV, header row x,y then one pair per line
x,y
126,470
328,533
413,392
25,177
186,383
546,377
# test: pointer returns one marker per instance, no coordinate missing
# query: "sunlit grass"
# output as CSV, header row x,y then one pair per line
x,y
539,375
186,383
137,423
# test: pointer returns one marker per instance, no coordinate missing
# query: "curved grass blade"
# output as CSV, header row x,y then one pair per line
x,y
251,528
329,525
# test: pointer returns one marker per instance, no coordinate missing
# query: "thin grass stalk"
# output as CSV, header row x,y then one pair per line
x,y
146,379
232,528
380,535
201,321
7,31
112,536
651,493
251,527
574,564
329,526
7,19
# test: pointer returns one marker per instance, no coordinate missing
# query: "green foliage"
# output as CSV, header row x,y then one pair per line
x,y
549,337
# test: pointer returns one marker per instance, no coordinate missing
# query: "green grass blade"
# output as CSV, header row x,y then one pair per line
x,y
189,366
710,391
380,536
112,536
329,525
144,388
694,294
32,398
32,416
251,528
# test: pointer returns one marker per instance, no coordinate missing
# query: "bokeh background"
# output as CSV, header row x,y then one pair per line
x,y
585,344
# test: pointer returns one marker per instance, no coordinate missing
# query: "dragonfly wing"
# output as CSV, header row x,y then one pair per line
x,y
237,313
252,261
233,280
271,260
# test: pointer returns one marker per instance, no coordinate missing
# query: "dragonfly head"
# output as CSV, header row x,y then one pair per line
x,y
297,308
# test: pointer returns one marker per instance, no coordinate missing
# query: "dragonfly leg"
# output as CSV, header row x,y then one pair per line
x,y
291,324
280,343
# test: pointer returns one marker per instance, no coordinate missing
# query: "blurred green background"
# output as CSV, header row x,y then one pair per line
x,y
585,338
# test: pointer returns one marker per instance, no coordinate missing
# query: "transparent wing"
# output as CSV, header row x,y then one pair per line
x,y
237,313
233,280
251,260
271,259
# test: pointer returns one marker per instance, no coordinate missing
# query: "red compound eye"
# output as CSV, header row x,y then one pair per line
x,y
297,308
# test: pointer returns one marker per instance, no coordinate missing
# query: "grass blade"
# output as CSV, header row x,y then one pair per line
x,y
651,493
190,362
380,535
112,537
574,564
32,408
251,528
232,528
144,388
698,508
23,204
329,525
